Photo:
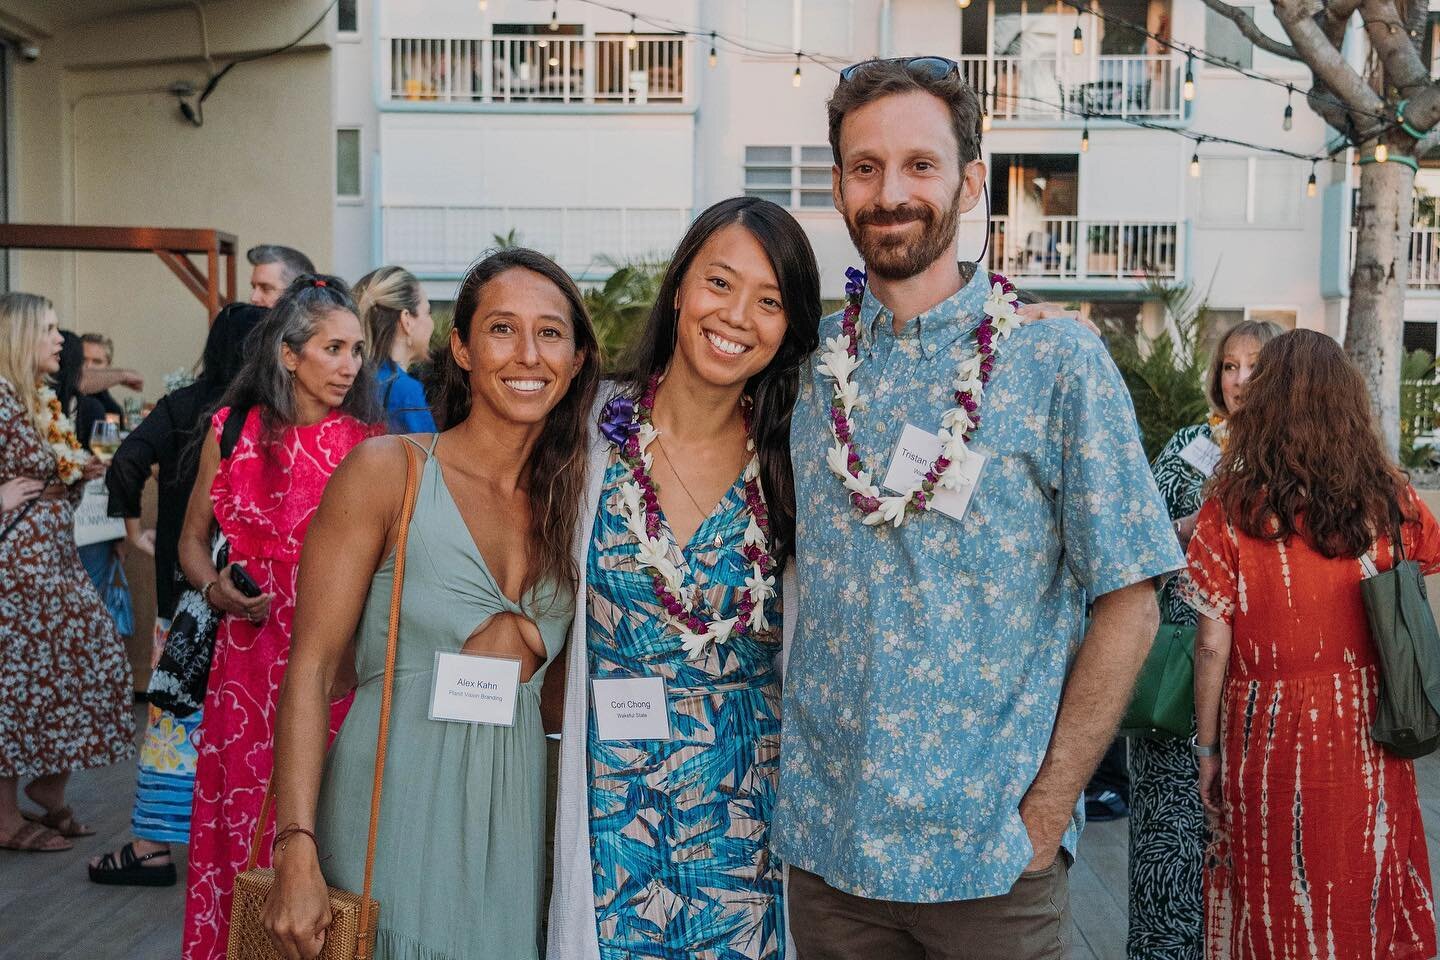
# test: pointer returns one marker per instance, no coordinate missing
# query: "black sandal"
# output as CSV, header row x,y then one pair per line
x,y
128,870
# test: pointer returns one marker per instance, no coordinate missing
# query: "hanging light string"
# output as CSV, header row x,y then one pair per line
x,y
1193,52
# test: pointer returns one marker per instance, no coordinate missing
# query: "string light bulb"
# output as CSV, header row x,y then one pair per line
x,y
963,4
1077,44
795,80
1382,153
482,4
1188,90
1310,186
714,57
632,41
1289,122
555,17
1195,162
1085,138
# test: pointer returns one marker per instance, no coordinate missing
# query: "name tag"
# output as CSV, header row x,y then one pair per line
x,y
631,708
1203,454
475,689
915,454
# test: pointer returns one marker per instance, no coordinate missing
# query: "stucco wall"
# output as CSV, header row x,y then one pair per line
x,y
95,140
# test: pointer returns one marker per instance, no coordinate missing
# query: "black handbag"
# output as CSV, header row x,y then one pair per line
x,y
178,682
1407,714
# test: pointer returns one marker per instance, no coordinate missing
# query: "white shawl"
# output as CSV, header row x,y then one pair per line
x,y
572,930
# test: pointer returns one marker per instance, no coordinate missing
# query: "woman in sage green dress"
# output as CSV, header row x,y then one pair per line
x,y
489,572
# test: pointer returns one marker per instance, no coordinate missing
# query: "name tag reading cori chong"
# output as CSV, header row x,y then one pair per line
x,y
470,688
631,708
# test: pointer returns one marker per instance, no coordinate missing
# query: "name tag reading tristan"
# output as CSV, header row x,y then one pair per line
x,y
1202,453
475,689
631,708
915,454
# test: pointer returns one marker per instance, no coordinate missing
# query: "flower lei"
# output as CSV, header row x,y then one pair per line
x,y
626,423
1219,430
58,432
840,358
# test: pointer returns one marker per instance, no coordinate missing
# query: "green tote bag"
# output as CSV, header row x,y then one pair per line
x,y
1163,704
1407,718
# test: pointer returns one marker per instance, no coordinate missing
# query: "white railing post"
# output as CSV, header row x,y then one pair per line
x,y
487,71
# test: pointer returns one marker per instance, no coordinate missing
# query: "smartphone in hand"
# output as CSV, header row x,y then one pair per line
x,y
243,582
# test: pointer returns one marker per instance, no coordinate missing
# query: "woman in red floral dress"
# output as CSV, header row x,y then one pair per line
x,y
307,402
1318,847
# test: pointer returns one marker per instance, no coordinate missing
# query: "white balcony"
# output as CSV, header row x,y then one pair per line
x,y
1424,257
1071,249
443,241
1141,86
536,69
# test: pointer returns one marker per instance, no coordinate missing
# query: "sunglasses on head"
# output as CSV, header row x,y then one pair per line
x,y
923,68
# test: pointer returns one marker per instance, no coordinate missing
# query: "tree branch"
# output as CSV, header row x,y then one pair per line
x,y
1323,57
1251,31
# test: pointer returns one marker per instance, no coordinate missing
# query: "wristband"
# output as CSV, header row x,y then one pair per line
x,y
1205,750
205,591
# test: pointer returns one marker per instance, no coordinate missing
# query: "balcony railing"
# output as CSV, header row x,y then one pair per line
x,y
533,69
1143,86
445,240
1424,257
1067,248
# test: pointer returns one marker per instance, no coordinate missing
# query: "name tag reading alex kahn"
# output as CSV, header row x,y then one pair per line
x,y
631,708
475,689
916,452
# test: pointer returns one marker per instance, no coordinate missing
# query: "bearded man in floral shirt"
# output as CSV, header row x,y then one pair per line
x,y
964,486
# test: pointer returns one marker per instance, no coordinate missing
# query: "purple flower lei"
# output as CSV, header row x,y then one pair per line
x,y
621,424
844,429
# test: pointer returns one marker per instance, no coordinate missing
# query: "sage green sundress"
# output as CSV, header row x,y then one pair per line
x,y
459,864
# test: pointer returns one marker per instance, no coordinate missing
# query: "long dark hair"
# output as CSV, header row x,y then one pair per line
x,y
1304,455
264,382
772,390
225,352
555,473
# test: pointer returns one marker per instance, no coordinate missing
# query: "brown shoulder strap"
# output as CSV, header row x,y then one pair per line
x,y
402,536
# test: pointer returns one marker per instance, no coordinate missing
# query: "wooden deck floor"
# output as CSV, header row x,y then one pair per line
x,y
50,911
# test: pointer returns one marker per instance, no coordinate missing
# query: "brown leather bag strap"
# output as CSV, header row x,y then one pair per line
x,y
382,738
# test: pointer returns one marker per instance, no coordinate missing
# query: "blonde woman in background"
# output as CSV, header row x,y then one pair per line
x,y
64,674
396,315
1167,824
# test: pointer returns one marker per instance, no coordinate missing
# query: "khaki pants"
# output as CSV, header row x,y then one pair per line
x,y
1031,922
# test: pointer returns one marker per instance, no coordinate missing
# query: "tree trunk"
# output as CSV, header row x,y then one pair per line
x,y
1374,331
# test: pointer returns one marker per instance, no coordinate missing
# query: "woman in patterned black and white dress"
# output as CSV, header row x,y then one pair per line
x,y
1167,823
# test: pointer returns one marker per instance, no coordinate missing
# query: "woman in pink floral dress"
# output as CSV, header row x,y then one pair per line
x,y
307,402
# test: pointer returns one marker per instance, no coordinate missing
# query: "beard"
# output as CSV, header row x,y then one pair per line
x,y
894,257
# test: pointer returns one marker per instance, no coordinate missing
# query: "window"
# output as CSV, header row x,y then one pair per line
x,y
348,16
794,177
1225,41
347,164
1420,336
1251,191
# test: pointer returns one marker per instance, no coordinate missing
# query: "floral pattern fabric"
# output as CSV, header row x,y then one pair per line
x,y
928,660
64,674
265,495
679,829
1167,822
1320,850
165,780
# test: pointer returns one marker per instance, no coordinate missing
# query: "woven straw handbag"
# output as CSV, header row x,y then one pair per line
x,y
351,934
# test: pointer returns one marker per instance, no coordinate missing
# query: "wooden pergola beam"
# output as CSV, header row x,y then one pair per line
x,y
173,245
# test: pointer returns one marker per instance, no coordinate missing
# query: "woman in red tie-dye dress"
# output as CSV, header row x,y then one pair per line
x,y
263,497
1318,849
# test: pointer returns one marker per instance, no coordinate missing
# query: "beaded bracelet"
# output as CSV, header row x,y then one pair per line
x,y
283,836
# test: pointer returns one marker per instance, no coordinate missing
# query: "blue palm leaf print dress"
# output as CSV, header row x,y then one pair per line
x,y
680,829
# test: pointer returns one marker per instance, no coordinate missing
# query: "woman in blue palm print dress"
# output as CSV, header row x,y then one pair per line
x,y
662,845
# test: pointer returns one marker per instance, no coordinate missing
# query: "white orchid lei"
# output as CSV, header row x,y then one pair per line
x,y
58,432
627,425
840,358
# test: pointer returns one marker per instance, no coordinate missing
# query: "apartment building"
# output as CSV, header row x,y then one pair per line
x,y
595,138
